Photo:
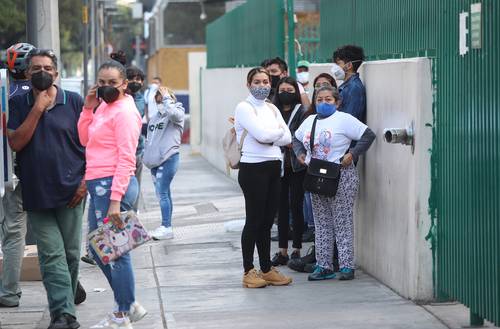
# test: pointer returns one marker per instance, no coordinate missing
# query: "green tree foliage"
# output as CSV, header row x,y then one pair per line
x,y
13,29
70,30
12,22
70,25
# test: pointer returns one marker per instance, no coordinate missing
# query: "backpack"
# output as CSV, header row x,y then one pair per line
x,y
232,150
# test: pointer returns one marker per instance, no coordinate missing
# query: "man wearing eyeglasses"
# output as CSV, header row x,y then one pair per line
x,y
42,129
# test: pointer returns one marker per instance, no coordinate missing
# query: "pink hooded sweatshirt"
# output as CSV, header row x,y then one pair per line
x,y
110,136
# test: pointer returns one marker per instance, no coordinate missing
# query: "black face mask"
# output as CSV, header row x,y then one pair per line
x,y
274,81
108,94
134,86
287,98
42,80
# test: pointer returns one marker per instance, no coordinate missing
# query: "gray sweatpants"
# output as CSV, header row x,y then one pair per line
x,y
333,220
12,235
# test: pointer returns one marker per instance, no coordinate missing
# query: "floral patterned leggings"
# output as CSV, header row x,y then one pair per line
x,y
333,220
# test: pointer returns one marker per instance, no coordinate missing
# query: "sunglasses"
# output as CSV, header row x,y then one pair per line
x,y
42,52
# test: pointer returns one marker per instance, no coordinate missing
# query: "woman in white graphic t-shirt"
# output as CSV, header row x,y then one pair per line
x,y
333,216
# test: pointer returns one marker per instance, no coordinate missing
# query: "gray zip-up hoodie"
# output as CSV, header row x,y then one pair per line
x,y
164,133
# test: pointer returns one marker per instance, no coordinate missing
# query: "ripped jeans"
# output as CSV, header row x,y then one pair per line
x,y
162,178
119,273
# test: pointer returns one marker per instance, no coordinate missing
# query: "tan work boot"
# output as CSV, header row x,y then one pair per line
x,y
251,279
275,278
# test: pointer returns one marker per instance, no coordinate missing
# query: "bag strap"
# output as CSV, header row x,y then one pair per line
x,y
295,110
242,140
313,131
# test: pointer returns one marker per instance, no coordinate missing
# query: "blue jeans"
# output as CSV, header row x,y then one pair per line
x,y
162,177
119,273
308,211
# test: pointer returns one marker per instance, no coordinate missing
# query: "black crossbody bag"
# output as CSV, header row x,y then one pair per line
x,y
322,177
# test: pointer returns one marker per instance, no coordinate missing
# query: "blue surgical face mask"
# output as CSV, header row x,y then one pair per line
x,y
324,110
260,93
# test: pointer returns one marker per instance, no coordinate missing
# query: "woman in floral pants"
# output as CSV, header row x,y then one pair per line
x,y
333,219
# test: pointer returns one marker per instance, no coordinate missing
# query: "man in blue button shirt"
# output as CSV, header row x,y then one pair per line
x,y
42,129
352,91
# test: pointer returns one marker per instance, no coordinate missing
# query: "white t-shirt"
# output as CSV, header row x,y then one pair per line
x,y
332,137
266,131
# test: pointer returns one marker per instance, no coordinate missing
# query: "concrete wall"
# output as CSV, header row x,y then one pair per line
x,y
222,90
197,61
392,211
391,218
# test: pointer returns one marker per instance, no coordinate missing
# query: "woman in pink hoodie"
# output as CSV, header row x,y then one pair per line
x,y
109,128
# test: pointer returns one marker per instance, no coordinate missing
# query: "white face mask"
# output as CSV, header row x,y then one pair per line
x,y
303,77
337,72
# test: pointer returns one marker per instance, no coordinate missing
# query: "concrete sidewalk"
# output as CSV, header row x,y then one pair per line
x,y
194,280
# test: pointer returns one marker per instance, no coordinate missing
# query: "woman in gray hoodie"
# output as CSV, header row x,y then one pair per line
x,y
161,154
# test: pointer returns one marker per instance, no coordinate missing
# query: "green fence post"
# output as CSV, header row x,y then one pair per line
x,y
291,38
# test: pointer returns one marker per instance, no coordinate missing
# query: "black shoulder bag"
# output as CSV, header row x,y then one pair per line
x,y
322,177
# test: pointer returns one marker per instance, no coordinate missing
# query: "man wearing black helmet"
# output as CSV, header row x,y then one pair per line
x,y
12,215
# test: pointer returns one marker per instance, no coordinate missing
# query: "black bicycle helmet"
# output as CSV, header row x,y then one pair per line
x,y
16,57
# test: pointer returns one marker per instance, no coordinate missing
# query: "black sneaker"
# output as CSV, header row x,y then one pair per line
x,y
304,264
80,295
309,268
308,236
295,255
296,265
64,321
310,256
88,259
279,259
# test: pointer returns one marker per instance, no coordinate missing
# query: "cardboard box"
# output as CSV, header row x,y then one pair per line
x,y
30,270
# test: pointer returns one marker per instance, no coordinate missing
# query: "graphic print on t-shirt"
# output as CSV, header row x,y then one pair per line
x,y
322,145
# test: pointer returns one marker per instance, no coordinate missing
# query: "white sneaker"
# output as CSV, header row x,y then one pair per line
x,y
111,322
137,312
163,233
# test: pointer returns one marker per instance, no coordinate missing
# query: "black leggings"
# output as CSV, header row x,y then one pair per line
x,y
291,200
260,183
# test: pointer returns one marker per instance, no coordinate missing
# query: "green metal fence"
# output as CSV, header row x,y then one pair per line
x,y
308,42
247,35
465,196
385,28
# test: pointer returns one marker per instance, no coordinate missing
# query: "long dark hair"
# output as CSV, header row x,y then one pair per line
x,y
312,108
290,81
